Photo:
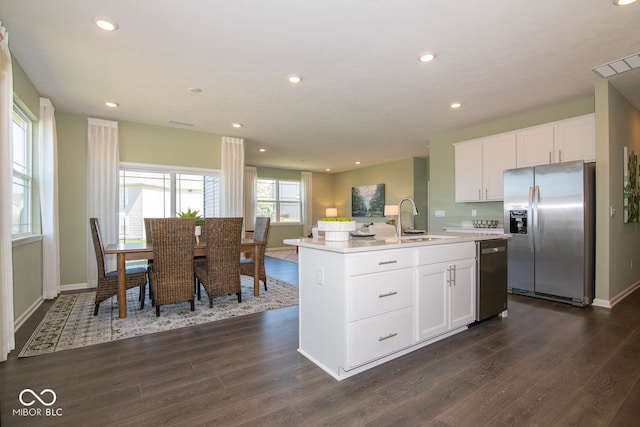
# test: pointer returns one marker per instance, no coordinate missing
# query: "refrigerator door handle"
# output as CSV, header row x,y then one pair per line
x,y
537,228
530,215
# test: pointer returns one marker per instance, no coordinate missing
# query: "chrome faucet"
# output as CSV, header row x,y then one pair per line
x,y
415,213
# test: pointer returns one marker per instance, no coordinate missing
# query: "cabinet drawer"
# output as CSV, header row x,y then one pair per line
x,y
377,261
373,294
378,336
446,253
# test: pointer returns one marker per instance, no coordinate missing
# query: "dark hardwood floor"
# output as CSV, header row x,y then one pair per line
x,y
547,364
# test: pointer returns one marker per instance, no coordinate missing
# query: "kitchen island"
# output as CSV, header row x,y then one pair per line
x,y
364,302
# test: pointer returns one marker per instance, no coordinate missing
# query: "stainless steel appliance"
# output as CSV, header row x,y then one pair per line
x,y
491,256
550,212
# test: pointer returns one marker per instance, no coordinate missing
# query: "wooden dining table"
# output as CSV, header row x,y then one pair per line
x,y
140,251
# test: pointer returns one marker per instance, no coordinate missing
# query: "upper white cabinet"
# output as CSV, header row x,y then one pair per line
x,y
534,146
575,139
479,165
562,141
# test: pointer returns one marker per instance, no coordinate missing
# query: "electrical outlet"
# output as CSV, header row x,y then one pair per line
x,y
440,214
320,276
473,212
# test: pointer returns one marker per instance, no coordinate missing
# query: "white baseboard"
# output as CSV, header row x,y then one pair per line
x,y
616,299
601,303
75,287
28,312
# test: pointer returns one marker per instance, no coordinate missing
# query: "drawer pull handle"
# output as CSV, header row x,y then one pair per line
x,y
391,335
387,262
388,294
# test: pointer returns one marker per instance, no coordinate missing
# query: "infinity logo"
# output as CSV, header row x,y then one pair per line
x,y
37,397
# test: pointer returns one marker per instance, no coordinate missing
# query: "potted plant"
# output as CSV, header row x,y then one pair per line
x,y
336,229
199,222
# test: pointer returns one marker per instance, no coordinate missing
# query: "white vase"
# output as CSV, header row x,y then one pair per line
x,y
336,231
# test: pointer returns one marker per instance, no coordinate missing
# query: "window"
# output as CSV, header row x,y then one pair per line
x,y
159,192
280,200
21,132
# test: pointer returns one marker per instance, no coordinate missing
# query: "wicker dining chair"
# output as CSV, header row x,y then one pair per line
x,y
147,230
108,281
220,274
261,234
171,274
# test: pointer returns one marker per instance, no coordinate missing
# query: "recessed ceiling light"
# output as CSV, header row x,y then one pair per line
x,y
623,2
328,169
427,57
237,125
262,150
455,105
105,24
358,162
294,78
112,104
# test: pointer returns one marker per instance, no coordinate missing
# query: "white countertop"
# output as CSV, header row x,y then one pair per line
x,y
371,244
498,230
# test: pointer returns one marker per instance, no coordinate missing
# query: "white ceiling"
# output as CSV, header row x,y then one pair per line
x,y
364,96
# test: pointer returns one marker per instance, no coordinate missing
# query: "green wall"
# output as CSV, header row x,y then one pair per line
x,y
617,243
442,170
400,179
72,197
140,143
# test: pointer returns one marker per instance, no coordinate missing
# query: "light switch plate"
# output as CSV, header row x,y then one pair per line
x,y
439,214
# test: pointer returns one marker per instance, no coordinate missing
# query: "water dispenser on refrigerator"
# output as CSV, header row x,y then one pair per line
x,y
518,221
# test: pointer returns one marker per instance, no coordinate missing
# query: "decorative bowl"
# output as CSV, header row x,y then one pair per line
x,y
336,231
485,223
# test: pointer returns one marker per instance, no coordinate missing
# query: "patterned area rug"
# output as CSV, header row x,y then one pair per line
x,y
70,322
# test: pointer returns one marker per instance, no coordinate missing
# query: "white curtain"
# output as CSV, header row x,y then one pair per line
x,y
7,339
102,189
48,163
250,184
232,176
307,205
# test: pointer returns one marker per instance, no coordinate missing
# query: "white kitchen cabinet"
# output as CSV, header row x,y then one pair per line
x,y
479,165
468,171
575,139
445,292
534,146
498,154
561,141
359,310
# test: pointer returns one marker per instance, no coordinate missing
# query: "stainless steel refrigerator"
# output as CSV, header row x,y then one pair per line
x,y
550,212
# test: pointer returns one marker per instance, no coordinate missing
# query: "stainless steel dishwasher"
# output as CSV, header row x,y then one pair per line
x,y
491,283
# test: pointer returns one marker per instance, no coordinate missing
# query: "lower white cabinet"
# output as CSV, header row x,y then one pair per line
x,y
360,310
378,336
445,298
